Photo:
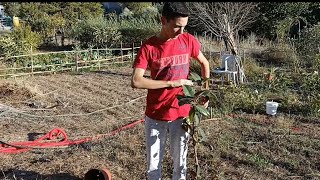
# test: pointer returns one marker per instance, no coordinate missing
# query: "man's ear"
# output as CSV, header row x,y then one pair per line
x,y
163,20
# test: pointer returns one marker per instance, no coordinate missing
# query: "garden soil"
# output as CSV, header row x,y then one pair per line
x,y
89,104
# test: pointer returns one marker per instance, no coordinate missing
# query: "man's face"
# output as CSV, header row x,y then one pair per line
x,y
174,27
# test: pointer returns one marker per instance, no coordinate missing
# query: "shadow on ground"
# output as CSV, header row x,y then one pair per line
x,y
31,175
120,74
113,73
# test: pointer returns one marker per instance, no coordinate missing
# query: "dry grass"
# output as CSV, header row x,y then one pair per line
x,y
246,146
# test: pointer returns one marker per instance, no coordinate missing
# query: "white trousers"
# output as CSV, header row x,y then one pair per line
x,y
156,133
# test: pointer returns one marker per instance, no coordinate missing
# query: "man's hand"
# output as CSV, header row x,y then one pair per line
x,y
205,85
180,82
205,100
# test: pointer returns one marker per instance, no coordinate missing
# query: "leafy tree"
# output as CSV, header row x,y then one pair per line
x,y
283,27
138,8
54,17
11,8
312,15
141,10
272,14
58,23
72,12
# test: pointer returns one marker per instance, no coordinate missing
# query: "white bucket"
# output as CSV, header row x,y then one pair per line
x,y
271,107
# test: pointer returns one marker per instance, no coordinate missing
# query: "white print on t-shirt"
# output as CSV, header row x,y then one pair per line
x,y
172,67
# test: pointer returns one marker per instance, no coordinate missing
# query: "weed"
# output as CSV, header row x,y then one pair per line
x,y
258,160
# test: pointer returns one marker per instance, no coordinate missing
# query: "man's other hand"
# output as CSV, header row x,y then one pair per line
x,y
180,82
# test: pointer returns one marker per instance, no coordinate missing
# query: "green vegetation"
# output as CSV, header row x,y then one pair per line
x,y
281,63
296,61
19,41
96,33
274,15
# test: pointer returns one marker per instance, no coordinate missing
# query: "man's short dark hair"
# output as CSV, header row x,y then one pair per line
x,y
172,10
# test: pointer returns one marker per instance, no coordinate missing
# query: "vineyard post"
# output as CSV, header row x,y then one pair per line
x,y
91,54
76,60
31,61
133,51
121,51
14,67
98,58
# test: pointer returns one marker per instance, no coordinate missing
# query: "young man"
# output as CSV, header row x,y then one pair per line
x,y
168,56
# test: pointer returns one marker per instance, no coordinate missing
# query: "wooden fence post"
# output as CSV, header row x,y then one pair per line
x,y
133,51
91,55
98,58
76,60
31,61
13,71
121,51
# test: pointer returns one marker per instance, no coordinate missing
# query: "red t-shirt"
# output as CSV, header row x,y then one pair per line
x,y
168,61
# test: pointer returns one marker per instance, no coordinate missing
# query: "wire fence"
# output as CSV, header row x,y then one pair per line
x,y
51,62
76,60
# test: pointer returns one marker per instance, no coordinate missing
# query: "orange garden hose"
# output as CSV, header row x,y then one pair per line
x,y
53,135
52,140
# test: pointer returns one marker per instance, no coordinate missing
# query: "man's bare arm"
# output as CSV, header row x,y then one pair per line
x,y
205,68
138,81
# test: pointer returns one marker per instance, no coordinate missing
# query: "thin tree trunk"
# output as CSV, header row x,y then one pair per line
x,y
55,37
228,36
62,39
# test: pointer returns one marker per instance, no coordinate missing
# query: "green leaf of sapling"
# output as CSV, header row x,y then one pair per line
x,y
185,100
202,110
203,136
196,119
194,77
188,91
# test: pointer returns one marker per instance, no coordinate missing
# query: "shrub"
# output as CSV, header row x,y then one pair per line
x,y
137,29
308,45
133,34
251,67
95,32
19,41
281,54
26,38
8,47
310,83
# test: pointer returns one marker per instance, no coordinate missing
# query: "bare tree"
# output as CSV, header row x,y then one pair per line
x,y
223,19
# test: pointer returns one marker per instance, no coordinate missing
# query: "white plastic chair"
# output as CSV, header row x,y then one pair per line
x,y
228,67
